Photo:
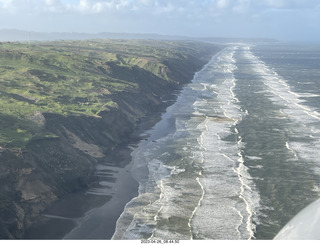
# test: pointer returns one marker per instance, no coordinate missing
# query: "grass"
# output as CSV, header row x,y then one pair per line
x,y
73,77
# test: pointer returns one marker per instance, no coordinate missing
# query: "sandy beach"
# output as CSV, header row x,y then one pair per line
x,y
99,223
93,213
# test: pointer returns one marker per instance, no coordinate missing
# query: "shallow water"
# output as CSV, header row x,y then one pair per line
x,y
234,158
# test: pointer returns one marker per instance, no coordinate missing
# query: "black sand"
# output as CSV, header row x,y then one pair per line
x,y
87,216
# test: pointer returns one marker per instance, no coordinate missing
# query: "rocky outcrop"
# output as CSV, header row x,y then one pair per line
x,y
52,167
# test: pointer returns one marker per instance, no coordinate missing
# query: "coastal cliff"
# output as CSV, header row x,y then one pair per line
x,y
68,105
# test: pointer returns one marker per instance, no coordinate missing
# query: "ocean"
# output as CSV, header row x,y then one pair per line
x,y
237,155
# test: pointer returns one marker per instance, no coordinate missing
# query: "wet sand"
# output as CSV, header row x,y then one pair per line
x,y
93,214
99,223
63,216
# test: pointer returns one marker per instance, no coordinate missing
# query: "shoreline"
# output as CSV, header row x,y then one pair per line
x,y
96,214
69,213
51,182
99,223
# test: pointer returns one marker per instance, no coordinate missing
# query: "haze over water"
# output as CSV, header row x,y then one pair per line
x,y
237,155
285,20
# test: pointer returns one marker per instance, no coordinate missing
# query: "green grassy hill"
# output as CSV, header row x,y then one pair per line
x,y
74,77
65,105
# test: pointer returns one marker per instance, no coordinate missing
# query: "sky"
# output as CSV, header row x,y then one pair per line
x,y
287,20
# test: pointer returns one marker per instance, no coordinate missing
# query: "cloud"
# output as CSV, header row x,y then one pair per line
x,y
5,3
189,7
290,4
178,17
90,6
222,4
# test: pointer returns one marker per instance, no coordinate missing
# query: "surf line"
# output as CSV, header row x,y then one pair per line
x,y
242,173
241,170
200,140
277,84
292,151
155,218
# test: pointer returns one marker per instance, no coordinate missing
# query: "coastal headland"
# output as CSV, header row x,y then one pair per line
x,y
68,107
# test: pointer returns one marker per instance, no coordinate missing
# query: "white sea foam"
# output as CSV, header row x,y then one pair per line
x,y
197,185
253,157
304,119
222,165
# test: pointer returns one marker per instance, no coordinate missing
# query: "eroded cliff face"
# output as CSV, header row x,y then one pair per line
x,y
50,168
